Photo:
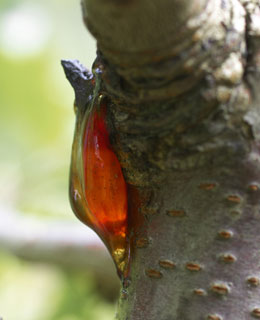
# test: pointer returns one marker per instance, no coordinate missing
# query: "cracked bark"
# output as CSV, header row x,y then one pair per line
x,y
182,81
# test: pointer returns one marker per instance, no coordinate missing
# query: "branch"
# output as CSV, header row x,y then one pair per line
x,y
68,244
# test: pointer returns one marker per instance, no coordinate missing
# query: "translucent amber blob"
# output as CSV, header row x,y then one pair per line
x,y
98,189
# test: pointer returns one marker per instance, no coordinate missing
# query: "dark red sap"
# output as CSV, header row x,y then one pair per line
x,y
103,187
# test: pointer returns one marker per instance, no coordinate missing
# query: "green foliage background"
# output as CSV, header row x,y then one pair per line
x,y
36,129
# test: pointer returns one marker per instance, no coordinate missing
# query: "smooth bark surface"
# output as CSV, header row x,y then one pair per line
x,y
182,80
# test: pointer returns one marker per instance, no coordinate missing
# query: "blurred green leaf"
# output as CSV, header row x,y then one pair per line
x,y
36,129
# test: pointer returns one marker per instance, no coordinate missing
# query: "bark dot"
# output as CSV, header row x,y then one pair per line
x,y
253,187
142,243
253,281
234,198
256,313
228,258
193,266
199,292
207,186
225,234
148,211
220,288
176,213
167,264
214,317
152,273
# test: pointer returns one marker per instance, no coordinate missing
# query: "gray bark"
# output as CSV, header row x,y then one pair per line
x,y
182,79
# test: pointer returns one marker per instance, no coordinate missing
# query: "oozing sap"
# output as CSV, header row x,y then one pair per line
x,y
104,188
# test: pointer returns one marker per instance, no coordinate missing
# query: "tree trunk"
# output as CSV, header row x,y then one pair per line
x,y
181,79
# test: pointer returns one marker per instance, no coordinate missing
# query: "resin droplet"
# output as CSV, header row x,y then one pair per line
x,y
105,188
97,173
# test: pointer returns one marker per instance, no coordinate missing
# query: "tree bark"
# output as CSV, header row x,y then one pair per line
x,y
182,83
